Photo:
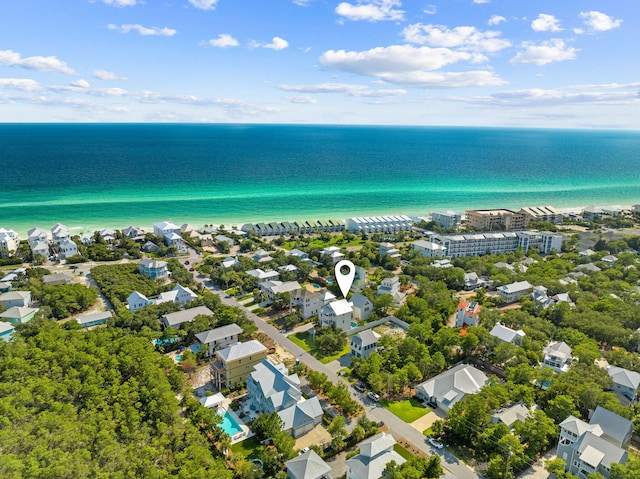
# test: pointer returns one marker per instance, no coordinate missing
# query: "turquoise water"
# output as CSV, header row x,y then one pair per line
x,y
90,176
229,425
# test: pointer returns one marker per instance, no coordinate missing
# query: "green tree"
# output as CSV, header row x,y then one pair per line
x,y
266,425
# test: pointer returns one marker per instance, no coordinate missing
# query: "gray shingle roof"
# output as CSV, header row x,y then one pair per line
x,y
216,334
179,317
240,350
307,466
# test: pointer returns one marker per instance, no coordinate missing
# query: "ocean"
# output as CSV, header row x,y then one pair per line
x,y
90,176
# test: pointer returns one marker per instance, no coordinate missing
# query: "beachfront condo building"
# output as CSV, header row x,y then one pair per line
x,y
446,219
543,213
496,220
379,224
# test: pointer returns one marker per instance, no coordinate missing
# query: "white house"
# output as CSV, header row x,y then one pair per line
x,y
332,252
364,343
137,301
391,286
467,313
269,275
625,383
362,307
60,233
20,299
307,465
35,235
184,316
165,228
449,387
219,338
388,249
154,268
337,313
448,219
9,241
557,355
514,291
429,249
271,288
375,453
179,294
133,232
230,262
507,335
308,303
67,248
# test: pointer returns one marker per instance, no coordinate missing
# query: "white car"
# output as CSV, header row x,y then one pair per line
x,y
436,444
373,396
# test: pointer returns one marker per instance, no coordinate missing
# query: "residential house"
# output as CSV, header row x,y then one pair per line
x,y
375,453
362,307
337,313
40,248
585,253
298,254
507,335
261,256
590,267
150,247
449,387
230,262
557,355
67,248
60,233
57,278
271,388
540,298
165,228
379,224
308,303
219,338
391,286
269,275
6,331
174,320
625,383
442,264
332,252
225,239
388,249
592,213
133,232
9,241
20,299
288,268
609,260
93,319
179,294
308,465
108,234
472,281
364,343
467,313
231,365
514,291
271,288
154,269
37,235
447,220
302,417
511,414
137,301
18,315
5,286
592,447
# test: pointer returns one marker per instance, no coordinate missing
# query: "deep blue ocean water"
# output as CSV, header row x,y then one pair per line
x,y
95,175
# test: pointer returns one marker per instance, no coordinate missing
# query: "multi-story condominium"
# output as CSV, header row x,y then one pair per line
x,y
446,219
232,365
289,227
378,224
479,244
592,447
497,219
543,213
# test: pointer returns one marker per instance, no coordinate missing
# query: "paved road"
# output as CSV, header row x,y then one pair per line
x,y
454,468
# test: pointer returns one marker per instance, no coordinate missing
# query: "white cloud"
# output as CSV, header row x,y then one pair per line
x,y
346,88
80,83
224,40
481,1
277,43
430,9
546,23
106,75
463,37
371,10
301,100
496,20
24,84
599,22
14,59
421,79
302,3
120,3
204,4
550,51
145,31
540,97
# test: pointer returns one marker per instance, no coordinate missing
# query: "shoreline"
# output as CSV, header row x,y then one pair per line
x,y
147,224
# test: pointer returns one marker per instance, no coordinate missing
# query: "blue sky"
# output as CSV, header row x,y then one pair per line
x,y
543,63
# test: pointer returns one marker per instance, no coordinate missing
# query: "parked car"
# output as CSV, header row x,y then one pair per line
x,y
373,396
436,444
360,387
186,262
303,450
192,269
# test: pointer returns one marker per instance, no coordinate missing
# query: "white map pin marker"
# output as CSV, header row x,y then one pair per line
x,y
345,280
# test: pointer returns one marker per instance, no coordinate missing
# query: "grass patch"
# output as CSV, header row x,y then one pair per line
x,y
245,448
408,410
428,432
336,240
306,342
399,449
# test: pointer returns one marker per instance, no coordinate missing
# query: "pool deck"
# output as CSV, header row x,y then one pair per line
x,y
246,432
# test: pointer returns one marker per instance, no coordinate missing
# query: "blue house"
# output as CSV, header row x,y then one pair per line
x,y
94,319
6,330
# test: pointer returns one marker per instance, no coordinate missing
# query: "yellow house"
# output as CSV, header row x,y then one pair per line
x,y
232,365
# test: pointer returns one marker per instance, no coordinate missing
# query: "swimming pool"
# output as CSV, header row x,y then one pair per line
x,y
229,424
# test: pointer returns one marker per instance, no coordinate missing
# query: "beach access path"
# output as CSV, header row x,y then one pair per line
x,y
454,468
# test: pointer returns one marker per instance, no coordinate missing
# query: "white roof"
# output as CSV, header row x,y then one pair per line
x,y
213,400
506,334
340,307
307,466
366,337
89,318
240,350
516,287
17,312
5,326
215,334
186,315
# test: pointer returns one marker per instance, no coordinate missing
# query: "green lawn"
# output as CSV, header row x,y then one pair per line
x,y
305,341
408,410
318,243
400,450
245,448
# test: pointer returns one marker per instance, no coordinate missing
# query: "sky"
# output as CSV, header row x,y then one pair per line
x,y
514,63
